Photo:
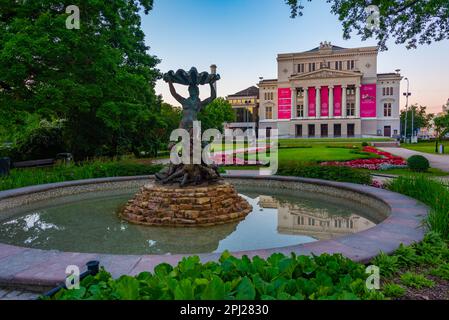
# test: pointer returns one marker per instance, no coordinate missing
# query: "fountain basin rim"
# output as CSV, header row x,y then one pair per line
x,y
35,269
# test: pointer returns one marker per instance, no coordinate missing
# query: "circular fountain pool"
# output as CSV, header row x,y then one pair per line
x,y
89,223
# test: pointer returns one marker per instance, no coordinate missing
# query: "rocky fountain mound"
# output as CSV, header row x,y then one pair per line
x,y
187,195
192,206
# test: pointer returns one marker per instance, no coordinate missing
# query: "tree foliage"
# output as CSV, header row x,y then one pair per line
x,y
100,79
416,115
441,124
214,115
409,22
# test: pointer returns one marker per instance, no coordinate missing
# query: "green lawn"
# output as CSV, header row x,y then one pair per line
x,y
427,147
343,142
331,142
317,153
432,172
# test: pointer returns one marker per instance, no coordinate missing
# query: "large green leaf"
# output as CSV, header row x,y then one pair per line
x,y
184,290
127,288
215,290
246,290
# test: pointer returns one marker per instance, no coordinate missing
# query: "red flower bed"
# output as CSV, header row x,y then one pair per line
x,y
372,164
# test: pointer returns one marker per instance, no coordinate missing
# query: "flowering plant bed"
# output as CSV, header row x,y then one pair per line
x,y
232,158
387,161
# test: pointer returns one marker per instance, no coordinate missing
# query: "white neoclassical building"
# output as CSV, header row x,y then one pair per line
x,y
331,91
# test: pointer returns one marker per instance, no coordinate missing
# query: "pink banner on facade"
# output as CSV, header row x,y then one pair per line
x,y
368,101
312,102
325,101
284,103
337,101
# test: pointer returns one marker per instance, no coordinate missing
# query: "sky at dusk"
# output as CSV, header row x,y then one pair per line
x,y
243,38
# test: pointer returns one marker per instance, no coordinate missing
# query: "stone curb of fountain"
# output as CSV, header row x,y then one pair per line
x,y
38,270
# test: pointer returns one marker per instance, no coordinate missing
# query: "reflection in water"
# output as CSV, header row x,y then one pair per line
x,y
89,223
301,218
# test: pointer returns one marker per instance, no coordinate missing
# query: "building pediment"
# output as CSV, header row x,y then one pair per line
x,y
325,74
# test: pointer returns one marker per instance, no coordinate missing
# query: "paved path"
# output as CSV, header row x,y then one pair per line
x,y
9,294
436,161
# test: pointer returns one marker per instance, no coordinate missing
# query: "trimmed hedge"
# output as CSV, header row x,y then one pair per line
x,y
418,163
335,173
280,277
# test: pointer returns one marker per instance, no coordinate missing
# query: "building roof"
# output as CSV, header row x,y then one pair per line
x,y
252,91
390,75
334,48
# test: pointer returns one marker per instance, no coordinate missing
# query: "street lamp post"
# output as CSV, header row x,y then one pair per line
x,y
407,94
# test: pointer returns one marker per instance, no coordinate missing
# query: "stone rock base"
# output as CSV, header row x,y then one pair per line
x,y
198,206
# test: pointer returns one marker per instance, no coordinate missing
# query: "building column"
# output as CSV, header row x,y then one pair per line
x,y
318,102
357,101
293,112
331,101
306,102
343,101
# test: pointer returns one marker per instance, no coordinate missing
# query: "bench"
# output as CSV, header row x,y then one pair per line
x,y
34,163
65,157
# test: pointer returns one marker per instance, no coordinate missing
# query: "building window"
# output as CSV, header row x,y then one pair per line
x,y
324,130
311,67
300,93
299,130
300,111
337,130
268,112
301,68
350,64
338,65
311,130
388,91
350,91
351,130
243,115
269,96
350,109
387,109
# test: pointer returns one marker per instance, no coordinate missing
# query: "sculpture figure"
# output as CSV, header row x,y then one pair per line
x,y
187,174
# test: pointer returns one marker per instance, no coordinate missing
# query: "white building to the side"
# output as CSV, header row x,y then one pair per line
x,y
331,91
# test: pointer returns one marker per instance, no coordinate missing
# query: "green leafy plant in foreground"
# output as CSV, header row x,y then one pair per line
x,y
392,290
417,281
278,277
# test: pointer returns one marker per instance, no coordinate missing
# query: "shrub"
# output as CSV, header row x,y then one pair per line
x,y
280,277
442,272
388,265
418,163
342,174
19,178
417,281
42,142
393,290
432,193
365,144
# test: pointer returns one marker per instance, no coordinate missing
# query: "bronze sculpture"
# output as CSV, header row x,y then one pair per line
x,y
188,174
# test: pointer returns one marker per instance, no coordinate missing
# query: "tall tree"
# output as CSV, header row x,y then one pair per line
x,y
441,124
417,118
99,78
409,22
214,115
